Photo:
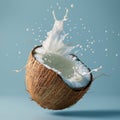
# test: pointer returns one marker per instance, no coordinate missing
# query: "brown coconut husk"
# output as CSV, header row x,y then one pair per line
x,y
47,88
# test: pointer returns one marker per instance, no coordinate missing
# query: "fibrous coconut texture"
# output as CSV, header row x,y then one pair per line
x,y
48,88
55,78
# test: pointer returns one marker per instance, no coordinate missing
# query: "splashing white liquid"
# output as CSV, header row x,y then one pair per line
x,y
55,55
54,42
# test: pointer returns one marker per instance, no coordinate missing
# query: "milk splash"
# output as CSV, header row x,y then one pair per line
x,y
54,42
56,55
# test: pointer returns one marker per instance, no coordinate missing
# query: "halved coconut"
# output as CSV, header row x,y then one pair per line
x,y
56,81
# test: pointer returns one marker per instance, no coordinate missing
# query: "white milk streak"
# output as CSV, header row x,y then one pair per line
x,y
54,41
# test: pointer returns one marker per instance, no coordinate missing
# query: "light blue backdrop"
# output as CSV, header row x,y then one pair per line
x,y
22,21
101,17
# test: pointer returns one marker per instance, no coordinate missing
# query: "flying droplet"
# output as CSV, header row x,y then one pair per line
x,y
81,54
93,52
106,49
81,19
19,52
116,54
80,46
91,43
87,46
59,8
118,34
72,5
85,49
57,4
27,29
16,44
84,28
106,31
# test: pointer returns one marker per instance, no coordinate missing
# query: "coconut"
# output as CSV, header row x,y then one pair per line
x,y
48,88
56,78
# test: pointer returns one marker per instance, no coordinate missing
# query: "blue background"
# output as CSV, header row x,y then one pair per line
x,y
21,23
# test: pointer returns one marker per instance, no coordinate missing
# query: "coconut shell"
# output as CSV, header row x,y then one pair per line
x,y
47,88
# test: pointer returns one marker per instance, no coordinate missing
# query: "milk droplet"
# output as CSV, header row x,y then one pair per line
x,y
85,49
81,54
91,43
93,51
36,39
72,5
16,44
40,41
116,54
77,45
106,31
32,29
81,19
57,4
40,30
118,34
80,46
19,52
87,46
84,28
106,49
59,8
45,59
82,24
27,29
87,40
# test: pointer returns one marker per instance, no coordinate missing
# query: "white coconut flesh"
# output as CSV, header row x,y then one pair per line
x,y
73,72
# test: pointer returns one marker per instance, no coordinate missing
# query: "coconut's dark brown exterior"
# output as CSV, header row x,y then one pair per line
x,y
47,88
